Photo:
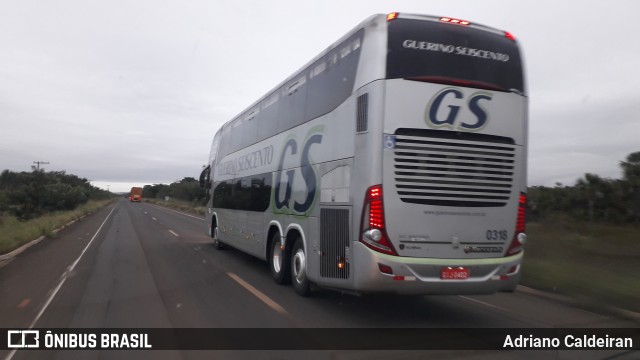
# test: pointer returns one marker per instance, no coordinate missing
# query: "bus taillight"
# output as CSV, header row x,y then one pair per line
x,y
454,21
520,237
376,209
372,230
509,36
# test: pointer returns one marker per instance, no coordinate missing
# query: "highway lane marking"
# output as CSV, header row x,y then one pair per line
x,y
179,212
591,313
483,303
174,233
154,219
73,266
552,297
257,293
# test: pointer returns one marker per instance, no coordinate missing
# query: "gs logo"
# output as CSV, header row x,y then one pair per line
x,y
286,179
436,116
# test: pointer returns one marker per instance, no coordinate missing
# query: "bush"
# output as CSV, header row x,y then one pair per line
x,y
592,199
27,195
187,189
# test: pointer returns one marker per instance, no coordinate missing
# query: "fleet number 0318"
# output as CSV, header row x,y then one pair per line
x,y
495,235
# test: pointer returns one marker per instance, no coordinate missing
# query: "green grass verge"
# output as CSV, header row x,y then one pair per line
x,y
179,205
14,233
596,264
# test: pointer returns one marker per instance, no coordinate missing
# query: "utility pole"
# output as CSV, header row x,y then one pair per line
x,y
38,164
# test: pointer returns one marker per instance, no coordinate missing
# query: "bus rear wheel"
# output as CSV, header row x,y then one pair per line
x,y
216,240
278,262
301,283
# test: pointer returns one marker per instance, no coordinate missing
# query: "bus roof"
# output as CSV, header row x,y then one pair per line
x,y
373,20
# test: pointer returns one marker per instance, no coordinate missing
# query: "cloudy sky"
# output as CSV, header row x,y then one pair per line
x,y
131,92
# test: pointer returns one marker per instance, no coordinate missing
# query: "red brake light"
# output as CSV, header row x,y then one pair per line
x,y
372,231
392,16
509,36
376,209
519,237
385,269
521,222
454,21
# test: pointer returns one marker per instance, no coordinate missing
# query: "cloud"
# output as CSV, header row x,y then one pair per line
x,y
134,91
568,139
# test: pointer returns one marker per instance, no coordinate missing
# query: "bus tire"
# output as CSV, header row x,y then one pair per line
x,y
299,279
278,260
216,240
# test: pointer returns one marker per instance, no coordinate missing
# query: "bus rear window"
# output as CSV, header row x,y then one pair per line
x,y
452,54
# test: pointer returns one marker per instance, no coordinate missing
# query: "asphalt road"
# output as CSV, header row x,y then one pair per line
x,y
137,265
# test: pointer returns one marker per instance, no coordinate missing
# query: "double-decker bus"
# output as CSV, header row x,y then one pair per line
x,y
394,161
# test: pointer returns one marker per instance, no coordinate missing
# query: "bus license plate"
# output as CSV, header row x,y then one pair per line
x,y
454,273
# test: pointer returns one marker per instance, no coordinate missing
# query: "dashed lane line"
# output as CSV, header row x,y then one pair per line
x,y
179,212
482,302
257,293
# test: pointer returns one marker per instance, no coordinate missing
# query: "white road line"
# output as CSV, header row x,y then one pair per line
x,y
73,266
482,302
174,233
257,293
154,219
179,212
62,281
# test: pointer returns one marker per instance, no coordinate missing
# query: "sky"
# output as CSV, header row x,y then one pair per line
x,y
128,93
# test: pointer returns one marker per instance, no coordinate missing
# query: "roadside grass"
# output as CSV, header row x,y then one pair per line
x,y
179,205
596,264
15,233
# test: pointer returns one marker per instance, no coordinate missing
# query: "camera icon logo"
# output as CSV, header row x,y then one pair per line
x,y
20,339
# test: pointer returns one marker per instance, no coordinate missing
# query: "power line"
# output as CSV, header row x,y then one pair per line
x,y
38,164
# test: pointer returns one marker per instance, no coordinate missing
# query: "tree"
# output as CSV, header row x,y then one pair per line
x,y
631,167
30,194
593,198
187,189
631,175
592,187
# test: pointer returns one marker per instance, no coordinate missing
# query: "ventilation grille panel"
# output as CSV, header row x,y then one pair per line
x,y
334,243
449,168
363,112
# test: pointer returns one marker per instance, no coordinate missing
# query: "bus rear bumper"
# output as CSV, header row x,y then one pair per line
x,y
423,276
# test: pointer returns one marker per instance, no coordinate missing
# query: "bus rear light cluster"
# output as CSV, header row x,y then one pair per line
x,y
512,271
372,230
404,278
454,21
376,209
520,237
392,16
509,36
385,269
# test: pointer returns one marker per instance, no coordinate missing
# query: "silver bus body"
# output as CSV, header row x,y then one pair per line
x,y
358,136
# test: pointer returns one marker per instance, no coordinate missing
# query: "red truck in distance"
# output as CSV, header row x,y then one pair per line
x,y
135,194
